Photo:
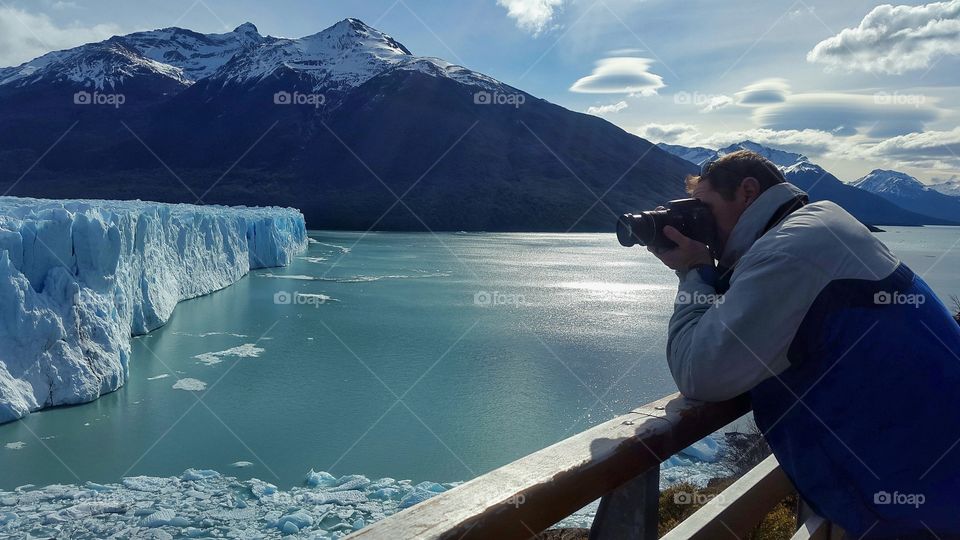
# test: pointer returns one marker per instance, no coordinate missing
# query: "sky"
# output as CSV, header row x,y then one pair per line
x,y
854,85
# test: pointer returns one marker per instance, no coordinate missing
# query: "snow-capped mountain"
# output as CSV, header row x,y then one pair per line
x,y
197,55
99,66
781,158
948,187
868,207
335,123
700,155
694,154
910,193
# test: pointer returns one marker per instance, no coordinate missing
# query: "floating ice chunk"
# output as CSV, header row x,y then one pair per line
x,y
192,385
17,445
144,483
261,489
247,350
300,277
161,376
300,519
315,260
199,474
320,479
163,517
706,450
241,464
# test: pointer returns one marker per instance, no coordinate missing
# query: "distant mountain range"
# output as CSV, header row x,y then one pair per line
x,y
910,193
876,199
340,124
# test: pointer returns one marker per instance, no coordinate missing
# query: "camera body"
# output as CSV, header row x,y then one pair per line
x,y
689,216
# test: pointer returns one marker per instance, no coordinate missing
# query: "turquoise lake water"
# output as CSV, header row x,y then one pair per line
x,y
419,356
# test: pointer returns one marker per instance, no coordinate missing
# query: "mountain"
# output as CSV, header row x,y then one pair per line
x,y
948,187
780,158
339,124
908,192
868,207
697,155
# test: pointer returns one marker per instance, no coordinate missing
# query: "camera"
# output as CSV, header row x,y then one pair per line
x,y
689,216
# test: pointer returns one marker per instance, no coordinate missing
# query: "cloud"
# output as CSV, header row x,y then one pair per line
x,y
607,109
669,133
928,146
763,92
877,115
894,39
25,36
715,103
532,15
620,75
810,142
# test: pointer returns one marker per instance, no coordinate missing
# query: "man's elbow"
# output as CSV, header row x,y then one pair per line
x,y
698,385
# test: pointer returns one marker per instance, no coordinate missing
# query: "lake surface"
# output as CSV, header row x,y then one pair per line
x,y
419,356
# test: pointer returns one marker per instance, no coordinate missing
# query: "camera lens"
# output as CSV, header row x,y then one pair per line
x,y
640,229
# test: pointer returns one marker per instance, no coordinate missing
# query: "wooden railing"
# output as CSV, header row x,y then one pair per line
x,y
618,462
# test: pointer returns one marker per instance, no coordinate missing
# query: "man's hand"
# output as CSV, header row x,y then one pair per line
x,y
687,254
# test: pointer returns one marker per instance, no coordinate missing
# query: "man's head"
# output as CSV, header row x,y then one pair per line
x,y
732,183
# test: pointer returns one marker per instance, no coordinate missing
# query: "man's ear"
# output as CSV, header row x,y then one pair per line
x,y
750,189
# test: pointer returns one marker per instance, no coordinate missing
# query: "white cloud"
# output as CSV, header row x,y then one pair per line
x,y
811,142
620,75
715,103
894,39
25,36
607,109
669,133
876,115
532,15
763,92
928,146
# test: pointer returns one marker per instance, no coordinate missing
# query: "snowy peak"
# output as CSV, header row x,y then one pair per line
x,y
343,55
340,57
948,187
892,183
181,55
105,65
198,55
780,158
697,155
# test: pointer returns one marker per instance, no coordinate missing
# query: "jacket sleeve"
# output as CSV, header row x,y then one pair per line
x,y
721,347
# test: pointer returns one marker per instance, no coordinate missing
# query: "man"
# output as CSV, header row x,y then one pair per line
x,y
850,359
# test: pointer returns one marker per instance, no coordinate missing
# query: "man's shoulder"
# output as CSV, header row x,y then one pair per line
x,y
825,235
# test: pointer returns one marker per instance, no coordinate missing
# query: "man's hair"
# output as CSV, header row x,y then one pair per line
x,y
726,173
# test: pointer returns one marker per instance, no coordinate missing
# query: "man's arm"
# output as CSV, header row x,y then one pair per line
x,y
718,350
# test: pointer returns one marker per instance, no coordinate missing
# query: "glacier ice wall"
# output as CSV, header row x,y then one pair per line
x,y
79,277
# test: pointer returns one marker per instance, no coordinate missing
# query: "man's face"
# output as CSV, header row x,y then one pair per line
x,y
725,212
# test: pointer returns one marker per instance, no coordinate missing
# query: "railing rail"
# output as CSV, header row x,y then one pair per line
x,y
529,495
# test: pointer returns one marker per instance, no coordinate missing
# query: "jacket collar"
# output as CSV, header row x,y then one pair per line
x,y
753,223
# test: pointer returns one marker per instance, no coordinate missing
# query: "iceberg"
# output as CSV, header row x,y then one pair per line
x,y
79,277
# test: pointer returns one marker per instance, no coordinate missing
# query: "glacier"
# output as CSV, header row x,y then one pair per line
x,y
78,278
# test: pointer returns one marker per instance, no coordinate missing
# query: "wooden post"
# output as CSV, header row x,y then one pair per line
x,y
631,511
